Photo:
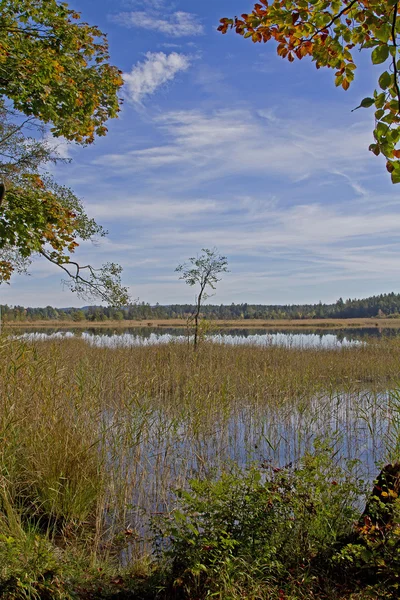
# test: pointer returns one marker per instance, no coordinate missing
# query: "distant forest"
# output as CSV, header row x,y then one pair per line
x,y
385,305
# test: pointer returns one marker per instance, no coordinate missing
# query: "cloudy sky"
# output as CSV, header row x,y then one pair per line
x,y
222,143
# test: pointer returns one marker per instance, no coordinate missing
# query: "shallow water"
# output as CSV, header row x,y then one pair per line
x,y
174,450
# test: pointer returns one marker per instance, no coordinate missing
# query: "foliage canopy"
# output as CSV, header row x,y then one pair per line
x,y
38,216
330,32
55,67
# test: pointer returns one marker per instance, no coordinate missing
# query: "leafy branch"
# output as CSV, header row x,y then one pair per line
x,y
322,31
394,58
104,283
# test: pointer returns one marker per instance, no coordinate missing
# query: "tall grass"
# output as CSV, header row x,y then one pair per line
x,y
93,441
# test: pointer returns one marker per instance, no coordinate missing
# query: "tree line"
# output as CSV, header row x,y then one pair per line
x,y
384,305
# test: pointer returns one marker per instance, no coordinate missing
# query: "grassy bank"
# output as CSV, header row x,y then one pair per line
x,y
95,442
234,324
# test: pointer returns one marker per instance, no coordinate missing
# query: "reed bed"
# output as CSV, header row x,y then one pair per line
x,y
94,441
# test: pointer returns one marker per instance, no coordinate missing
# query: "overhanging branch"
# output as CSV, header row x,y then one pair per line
x,y
394,59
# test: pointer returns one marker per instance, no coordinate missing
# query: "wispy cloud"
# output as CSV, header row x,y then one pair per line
x,y
207,145
306,230
152,210
156,4
177,24
157,69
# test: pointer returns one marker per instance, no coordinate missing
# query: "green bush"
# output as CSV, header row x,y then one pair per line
x,y
29,568
253,531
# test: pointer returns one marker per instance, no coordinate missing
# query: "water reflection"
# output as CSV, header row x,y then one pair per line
x,y
147,336
178,447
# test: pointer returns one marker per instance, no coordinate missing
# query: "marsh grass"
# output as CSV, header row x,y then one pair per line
x,y
368,322
94,441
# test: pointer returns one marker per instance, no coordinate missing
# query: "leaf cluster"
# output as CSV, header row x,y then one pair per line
x,y
329,32
32,217
39,216
54,67
203,270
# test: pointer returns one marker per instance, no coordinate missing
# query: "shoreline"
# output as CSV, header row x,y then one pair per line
x,y
361,323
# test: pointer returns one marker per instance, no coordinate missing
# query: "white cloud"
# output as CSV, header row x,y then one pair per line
x,y
152,210
205,146
304,231
155,71
178,24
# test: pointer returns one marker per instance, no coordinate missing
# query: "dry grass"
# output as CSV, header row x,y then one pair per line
x,y
232,324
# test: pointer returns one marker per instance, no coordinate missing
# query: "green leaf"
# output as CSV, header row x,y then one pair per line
x,y
385,80
395,174
375,149
365,103
380,54
383,33
380,100
389,118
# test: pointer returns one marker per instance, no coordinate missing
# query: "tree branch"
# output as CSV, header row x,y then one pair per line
x,y
92,288
394,60
4,139
335,18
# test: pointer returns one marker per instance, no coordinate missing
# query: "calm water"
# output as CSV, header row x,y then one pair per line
x,y
146,336
361,427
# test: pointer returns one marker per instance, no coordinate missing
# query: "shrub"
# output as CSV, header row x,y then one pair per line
x,y
250,531
29,568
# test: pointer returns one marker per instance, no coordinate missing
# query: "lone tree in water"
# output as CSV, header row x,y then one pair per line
x,y
203,270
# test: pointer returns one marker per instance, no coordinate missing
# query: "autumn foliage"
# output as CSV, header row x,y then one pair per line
x,y
331,33
56,68
54,74
34,218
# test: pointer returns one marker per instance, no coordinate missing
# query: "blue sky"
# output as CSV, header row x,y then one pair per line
x,y
222,143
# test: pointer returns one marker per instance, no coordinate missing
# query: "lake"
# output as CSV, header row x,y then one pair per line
x,y
148,336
